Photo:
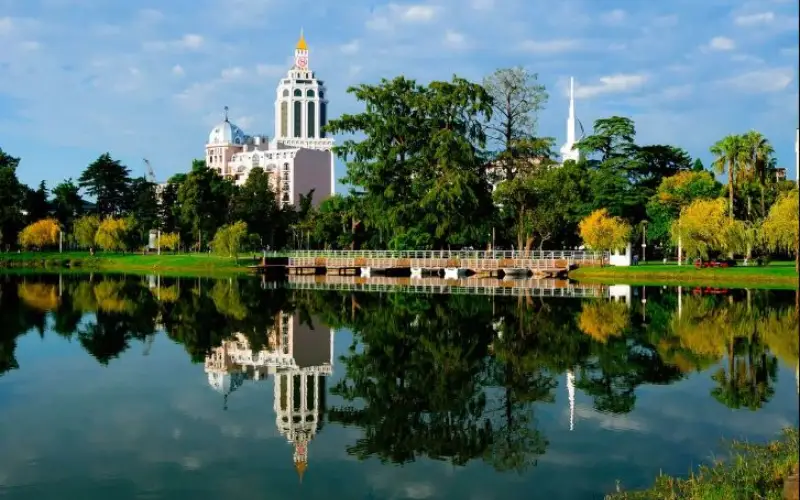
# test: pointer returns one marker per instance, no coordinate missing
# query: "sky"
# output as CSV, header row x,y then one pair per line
x,y
149,79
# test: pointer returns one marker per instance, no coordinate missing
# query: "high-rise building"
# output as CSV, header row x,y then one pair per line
x,y
299,158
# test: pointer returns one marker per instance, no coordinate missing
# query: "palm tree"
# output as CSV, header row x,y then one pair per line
x,y
758,153
728,153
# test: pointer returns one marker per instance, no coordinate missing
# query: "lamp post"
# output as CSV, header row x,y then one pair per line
x,y
644,238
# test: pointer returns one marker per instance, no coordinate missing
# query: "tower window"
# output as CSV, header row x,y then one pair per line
x,y
298,93
285,93
284,119
323,118
298,118
310,93
311,119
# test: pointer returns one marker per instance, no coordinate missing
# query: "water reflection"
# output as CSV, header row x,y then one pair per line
x,y
498,383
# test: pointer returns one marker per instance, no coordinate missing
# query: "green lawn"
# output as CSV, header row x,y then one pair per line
x,y
776,274
167,264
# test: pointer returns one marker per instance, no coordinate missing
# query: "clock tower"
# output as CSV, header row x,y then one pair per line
x,y
301,109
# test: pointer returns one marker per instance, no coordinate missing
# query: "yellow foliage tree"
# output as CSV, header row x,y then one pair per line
x,y
40,296
84,230
228,239
603,319
40,234
170,241
601,231
113,234
780,229
703,227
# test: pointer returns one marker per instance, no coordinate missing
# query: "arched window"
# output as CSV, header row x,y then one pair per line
x,y
285,92
310,93
285,118
286,197
255,161
298,93
323,112
298,118
285,167
311,119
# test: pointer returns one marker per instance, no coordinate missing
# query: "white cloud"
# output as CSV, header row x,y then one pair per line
x,y
270,70
611,84
350,47
762,81
6,25
721,43
614,17
178,70
755,19
30,45
187,42
413,14
151,15
235,73
191,41
550,46
455,40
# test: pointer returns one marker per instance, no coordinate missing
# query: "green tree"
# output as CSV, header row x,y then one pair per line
x,y
36,204
205,199
67,202
517,98
229,238
728,153
168,207
757,155
12,194
108,181
143,205
84,230
256,205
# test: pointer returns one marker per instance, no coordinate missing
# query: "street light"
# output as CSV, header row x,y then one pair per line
x,y
644,238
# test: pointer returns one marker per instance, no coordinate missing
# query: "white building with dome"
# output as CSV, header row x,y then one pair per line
x,y
299,158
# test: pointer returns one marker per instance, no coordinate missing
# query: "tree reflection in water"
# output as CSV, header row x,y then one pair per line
x,y
449,377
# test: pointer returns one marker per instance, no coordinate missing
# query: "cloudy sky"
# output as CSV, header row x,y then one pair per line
x,y
143,78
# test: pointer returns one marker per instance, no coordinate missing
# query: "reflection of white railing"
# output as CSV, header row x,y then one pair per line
x,y
453,254
467,286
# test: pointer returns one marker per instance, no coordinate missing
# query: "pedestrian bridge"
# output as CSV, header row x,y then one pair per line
x,y
464,286
453,264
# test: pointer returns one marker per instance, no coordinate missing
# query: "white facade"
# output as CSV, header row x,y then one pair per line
x,y
299,157
568,151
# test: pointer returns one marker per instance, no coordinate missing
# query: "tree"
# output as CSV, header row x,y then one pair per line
x,y
603,232
757,155
702,227
108,181
205,199
40,234
672,195
517,97
170,241
420,168
143,205
229,238
114,234
35,203
84,229
728,157
67,203
168,207
256,205
698,166
780,229
11,197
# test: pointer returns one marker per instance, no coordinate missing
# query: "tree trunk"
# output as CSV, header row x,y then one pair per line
x,y
731,172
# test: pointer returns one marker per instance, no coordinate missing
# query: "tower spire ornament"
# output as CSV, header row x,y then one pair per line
x,y
226,114
568,151
301,44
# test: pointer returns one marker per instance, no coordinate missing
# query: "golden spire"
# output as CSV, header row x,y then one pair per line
x,y
300,466
301,44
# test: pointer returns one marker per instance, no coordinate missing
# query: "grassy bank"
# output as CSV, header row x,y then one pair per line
x,y
165,264
752,471
774,275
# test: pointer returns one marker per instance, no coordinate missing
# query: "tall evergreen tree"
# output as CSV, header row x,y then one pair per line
x,y
108,181
67,202
12,194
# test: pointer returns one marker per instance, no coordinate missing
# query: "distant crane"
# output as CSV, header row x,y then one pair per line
x,y
151,176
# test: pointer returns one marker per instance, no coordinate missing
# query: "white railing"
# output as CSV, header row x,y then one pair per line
x,y
453,254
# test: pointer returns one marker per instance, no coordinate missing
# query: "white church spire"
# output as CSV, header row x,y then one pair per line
x,y
567,151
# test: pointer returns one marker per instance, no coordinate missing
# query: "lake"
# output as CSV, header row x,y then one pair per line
x,y
165,388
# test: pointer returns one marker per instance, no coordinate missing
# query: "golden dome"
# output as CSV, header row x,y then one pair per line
x,y
301,44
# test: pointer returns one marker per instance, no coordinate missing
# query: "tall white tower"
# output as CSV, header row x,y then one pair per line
x,y
567,151
301,109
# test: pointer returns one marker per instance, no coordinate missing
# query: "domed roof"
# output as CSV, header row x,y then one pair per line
x,y
226,133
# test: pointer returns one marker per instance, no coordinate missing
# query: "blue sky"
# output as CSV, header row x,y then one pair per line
x,y
142,78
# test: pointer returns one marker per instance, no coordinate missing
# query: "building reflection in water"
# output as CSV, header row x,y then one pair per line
x,y
300,356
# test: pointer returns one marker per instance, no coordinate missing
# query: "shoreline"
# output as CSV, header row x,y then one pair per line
x,y
777,275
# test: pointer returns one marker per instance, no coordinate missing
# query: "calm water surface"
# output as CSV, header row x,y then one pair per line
x,y
114,387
